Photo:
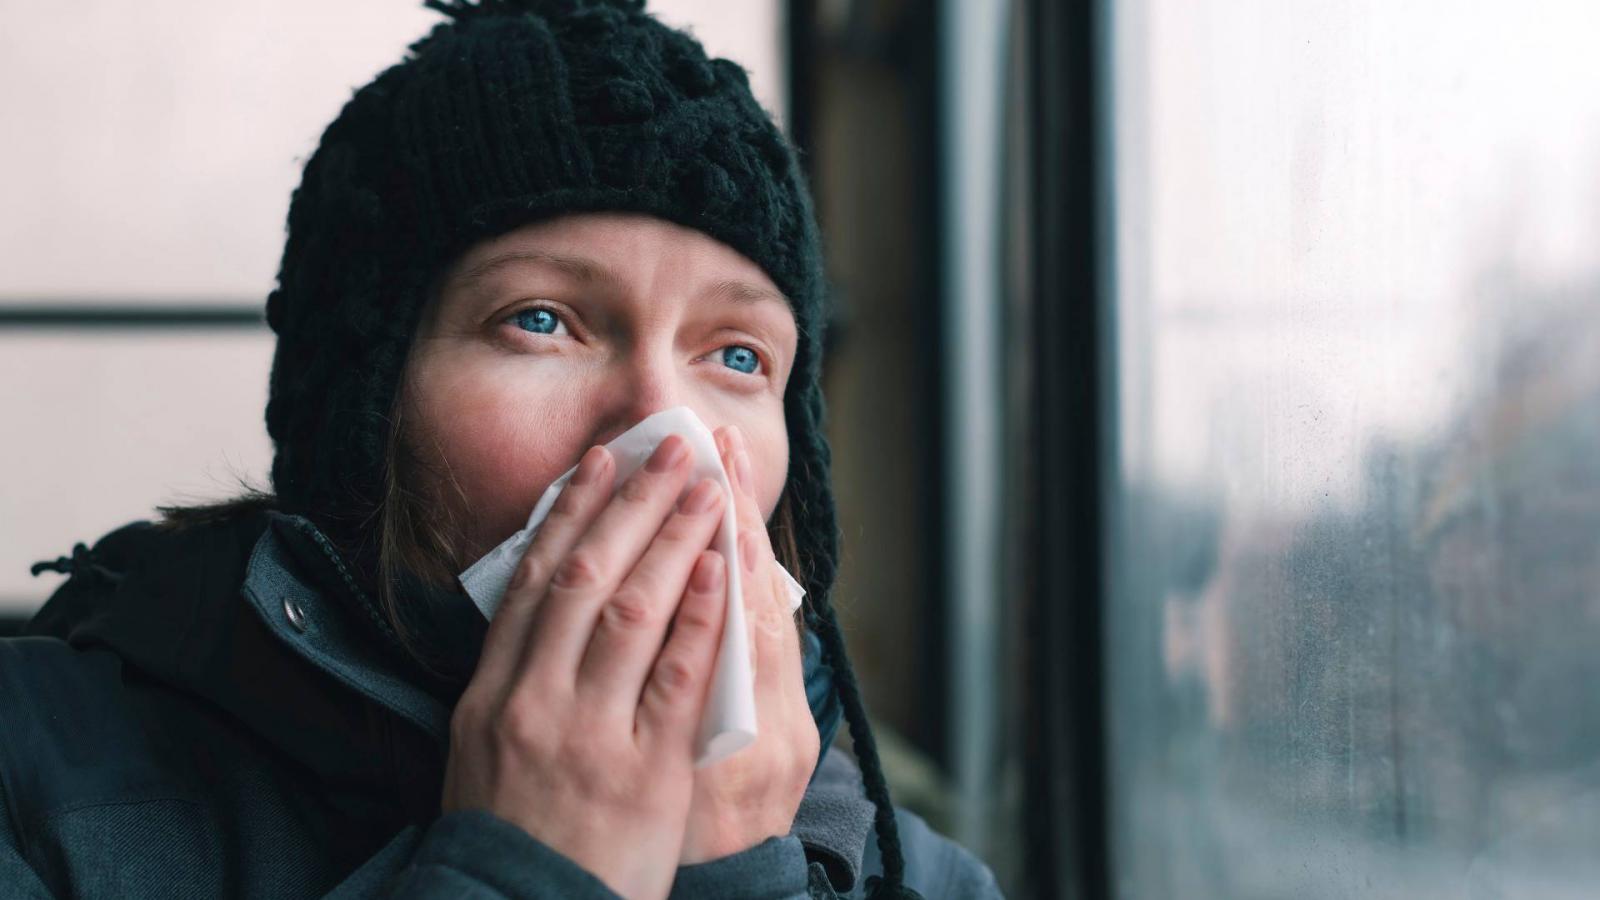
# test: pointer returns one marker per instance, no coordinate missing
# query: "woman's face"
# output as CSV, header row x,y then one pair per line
x,y
563,334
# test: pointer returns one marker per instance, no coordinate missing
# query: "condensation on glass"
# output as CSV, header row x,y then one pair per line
x,y
1354,613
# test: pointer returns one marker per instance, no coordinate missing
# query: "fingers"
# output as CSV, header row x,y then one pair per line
x,y
575,508
792,675
590,571
736,459
771,626
632,622
670,705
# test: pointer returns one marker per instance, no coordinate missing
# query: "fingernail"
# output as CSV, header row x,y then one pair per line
x,y
707,572
747,551
668,454
591,464
735,442
519,577
701,498
741,461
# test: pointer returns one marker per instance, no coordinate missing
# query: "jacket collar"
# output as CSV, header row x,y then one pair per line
x,y
298,613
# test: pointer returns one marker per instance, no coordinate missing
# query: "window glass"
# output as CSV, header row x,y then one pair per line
x,y
1354,562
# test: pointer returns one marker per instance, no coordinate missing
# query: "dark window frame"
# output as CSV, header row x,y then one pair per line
x,y
1069,341
86,315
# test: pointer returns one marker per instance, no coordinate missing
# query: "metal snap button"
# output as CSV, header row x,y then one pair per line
x,y
296,615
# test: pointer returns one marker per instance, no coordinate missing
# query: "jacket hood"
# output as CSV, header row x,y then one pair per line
x,y
167,602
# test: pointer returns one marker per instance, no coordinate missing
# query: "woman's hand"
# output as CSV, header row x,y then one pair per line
x,y
579,723
755,793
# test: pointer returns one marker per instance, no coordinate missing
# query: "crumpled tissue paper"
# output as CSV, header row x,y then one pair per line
x,y
729,721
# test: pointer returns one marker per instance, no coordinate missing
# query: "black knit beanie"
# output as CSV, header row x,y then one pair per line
x,y
507,113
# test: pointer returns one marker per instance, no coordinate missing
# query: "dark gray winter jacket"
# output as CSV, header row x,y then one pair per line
x,y
208,712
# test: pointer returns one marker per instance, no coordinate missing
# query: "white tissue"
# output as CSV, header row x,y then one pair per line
x,y
729,721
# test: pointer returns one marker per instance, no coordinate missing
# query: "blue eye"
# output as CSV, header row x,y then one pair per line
x,y
742,358
537,320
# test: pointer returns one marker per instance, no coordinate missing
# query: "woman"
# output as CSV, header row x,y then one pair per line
x,y
549,221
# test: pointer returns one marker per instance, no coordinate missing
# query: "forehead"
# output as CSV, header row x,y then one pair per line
x,y
621,249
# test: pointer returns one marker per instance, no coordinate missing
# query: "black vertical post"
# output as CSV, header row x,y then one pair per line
x,y
924,66
1066,807
800,23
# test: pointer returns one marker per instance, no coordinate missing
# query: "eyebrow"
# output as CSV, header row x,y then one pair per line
x,y
577,267
743,292
588,271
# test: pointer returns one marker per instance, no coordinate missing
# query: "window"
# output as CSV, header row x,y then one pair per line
x,y
1353,584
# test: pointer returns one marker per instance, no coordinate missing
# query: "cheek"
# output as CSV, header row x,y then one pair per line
x,y
498,443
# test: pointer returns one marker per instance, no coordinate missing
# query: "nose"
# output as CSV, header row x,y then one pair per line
x,y
636,387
